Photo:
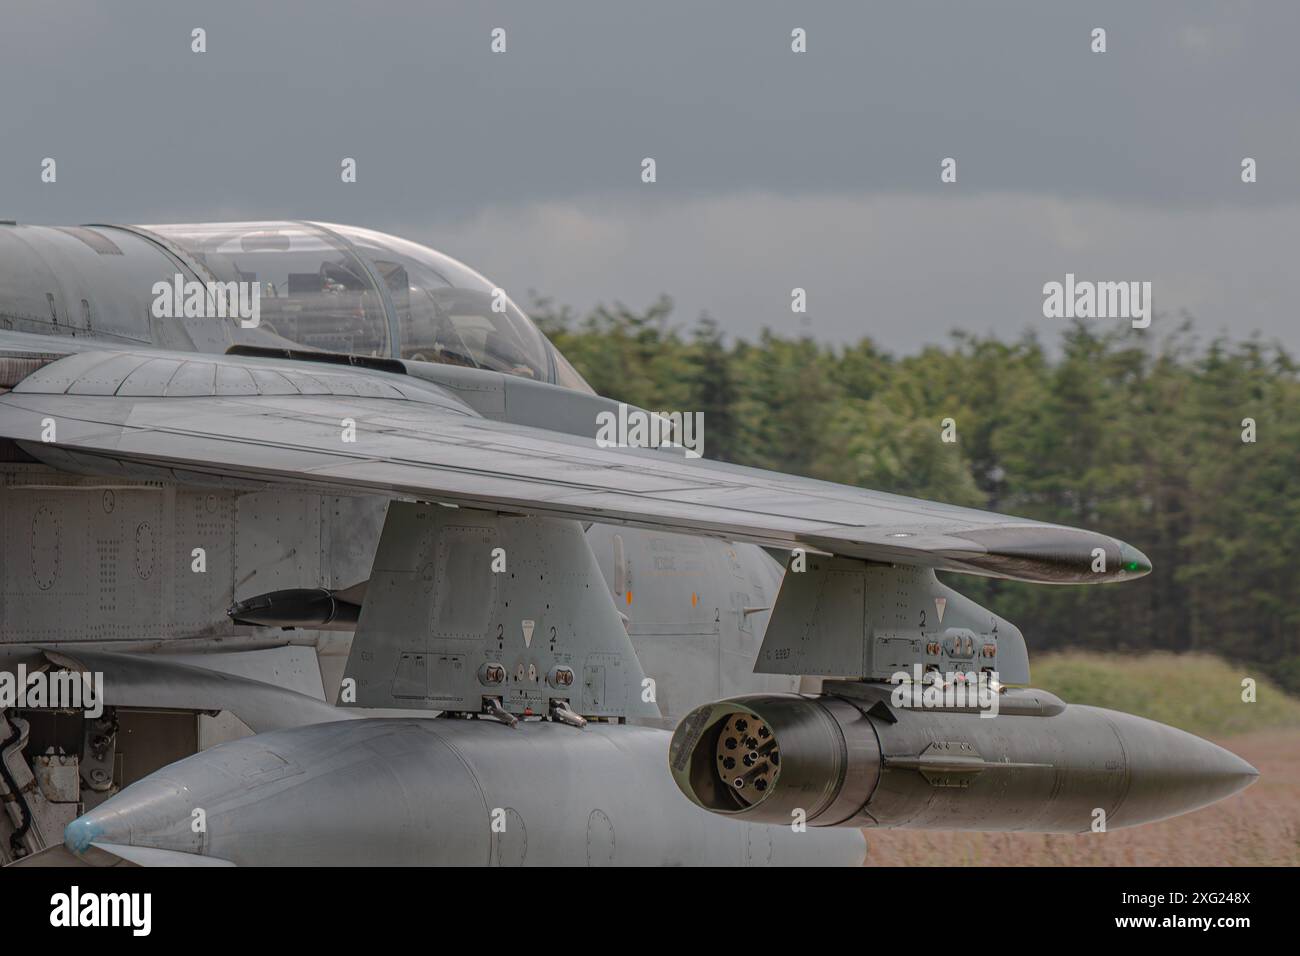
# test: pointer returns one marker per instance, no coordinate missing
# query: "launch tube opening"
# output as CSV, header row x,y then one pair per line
x,y
775,758
724,774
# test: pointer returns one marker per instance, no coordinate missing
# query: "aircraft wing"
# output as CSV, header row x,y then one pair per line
x,y
214,418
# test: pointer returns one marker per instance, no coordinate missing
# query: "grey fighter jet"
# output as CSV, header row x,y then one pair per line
x,y
316,551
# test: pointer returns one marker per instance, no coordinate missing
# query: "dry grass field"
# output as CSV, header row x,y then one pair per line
x,y
1258,827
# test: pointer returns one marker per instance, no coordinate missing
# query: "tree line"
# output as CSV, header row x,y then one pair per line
x,y
1132,434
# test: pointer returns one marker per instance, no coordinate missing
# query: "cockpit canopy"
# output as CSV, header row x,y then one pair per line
x,y
347,289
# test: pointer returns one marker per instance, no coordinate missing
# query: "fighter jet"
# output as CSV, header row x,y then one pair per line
x,y
316,551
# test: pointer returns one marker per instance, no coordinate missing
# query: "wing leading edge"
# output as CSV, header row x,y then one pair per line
x,y
422,443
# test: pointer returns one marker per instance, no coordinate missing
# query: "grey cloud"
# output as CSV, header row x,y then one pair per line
x,y
904,269
144,128
774,169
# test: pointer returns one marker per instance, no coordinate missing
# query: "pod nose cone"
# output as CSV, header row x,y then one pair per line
x,y
154,812
1221,771
1172,772
81,833
1133,563
1236,771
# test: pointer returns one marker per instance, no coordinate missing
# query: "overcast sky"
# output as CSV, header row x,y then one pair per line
x,y
775,169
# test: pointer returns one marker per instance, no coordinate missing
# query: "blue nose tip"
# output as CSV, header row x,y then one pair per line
x,y
80,833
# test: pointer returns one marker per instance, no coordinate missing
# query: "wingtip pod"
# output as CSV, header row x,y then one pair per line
x,y
854,758
1049,554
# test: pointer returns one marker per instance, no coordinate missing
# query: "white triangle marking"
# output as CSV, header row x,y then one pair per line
x,y
939,605
528,633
